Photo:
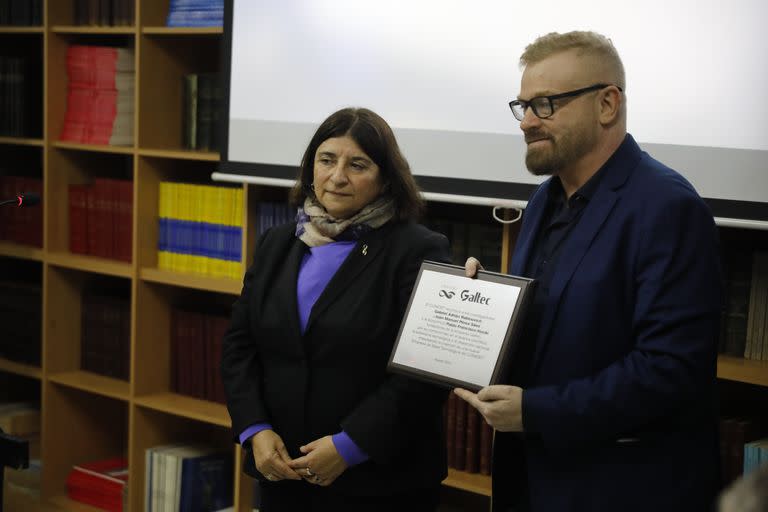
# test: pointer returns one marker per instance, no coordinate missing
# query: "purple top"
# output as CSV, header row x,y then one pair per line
x,y
317,268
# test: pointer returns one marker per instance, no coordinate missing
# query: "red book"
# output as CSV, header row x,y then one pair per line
x,y
450,428
99,483
78,219
472,455
460,448
486,447
123,220
105,210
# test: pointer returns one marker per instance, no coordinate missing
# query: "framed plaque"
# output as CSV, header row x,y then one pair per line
x,y
459,331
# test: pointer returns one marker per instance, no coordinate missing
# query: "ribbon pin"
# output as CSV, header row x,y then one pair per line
x,y
365,249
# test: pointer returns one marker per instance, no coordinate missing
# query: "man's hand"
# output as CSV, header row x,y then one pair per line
x,y
321,463
271,456
471,267
501,406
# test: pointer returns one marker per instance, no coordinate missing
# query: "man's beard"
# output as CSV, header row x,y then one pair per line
x,y
557,153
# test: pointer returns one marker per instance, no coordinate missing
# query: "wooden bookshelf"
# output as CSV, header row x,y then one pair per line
x,y
90,264
198,282
471,482
21,141
87,416
25,370
21,251
742,370
187,407
92,383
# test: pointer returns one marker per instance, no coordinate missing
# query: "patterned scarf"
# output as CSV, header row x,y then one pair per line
x,y
315,226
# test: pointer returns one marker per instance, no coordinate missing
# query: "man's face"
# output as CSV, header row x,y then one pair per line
x,y
561,140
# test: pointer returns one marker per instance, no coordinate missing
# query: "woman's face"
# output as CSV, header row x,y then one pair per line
x,y
345,178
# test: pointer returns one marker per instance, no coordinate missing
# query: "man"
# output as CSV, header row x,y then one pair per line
x,y
613,406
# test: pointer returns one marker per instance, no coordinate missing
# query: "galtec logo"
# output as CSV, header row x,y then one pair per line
x,y
447,294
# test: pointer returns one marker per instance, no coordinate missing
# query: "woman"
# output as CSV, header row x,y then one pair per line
x,y
304,361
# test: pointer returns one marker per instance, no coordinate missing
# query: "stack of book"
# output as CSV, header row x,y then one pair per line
x,y
21,225
469,438
736,433
196,13
202,111
200,229
101,483
103,12
21,316
269,214
101,219
187,479
100,100
105,338
744,322
755,455
196,354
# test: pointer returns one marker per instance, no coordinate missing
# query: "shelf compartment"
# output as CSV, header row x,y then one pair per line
x,y
7,29
90,264
82,29
21,141
471,482
197,282
93,383
187,407
182,30
742,370
25,370
21,251
78,427
182,154
123,150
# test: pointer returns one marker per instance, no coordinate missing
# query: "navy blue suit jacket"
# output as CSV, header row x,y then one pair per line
x,y
620,413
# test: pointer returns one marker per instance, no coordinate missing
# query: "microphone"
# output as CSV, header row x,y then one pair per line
x,y
23,199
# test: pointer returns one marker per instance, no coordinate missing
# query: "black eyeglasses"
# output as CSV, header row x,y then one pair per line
x,y
543,107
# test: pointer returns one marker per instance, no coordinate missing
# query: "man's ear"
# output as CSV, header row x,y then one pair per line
x,y
611,100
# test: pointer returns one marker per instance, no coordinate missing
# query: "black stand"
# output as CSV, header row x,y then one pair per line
x,y
14,454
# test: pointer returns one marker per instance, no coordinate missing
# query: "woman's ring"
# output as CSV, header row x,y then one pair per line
x,y
269,476
309,472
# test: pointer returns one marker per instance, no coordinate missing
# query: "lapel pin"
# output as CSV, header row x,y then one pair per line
x,y
365,249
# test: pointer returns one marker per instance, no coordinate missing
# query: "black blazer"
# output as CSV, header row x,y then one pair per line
x,y
334,376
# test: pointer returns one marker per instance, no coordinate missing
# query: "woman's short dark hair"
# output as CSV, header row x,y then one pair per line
x,y
376,139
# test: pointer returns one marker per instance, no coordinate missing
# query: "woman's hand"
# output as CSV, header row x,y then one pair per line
x,y
321,463
271,457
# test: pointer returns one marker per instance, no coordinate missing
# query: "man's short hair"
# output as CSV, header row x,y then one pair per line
x,y
585,42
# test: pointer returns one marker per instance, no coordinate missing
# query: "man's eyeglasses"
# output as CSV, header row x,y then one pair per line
x,y
543,106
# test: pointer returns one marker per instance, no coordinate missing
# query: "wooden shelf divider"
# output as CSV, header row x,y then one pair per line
x,y
197,282
90,264
186,407
472,482
93,383
25,370
742,370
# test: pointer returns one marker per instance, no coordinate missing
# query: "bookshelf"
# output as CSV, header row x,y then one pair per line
x,y
87,416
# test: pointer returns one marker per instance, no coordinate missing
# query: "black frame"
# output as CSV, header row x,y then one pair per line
x,y
511,337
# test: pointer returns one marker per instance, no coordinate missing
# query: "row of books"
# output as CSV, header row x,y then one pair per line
x,y
202,107
101,483
21,225
273,213
101,219
21,13
20,96
105,335
103,12
745,316
196,340
21,307
200,229
21,487
187,478
100,98
196,13
736,433
469,438
755,455
470,239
